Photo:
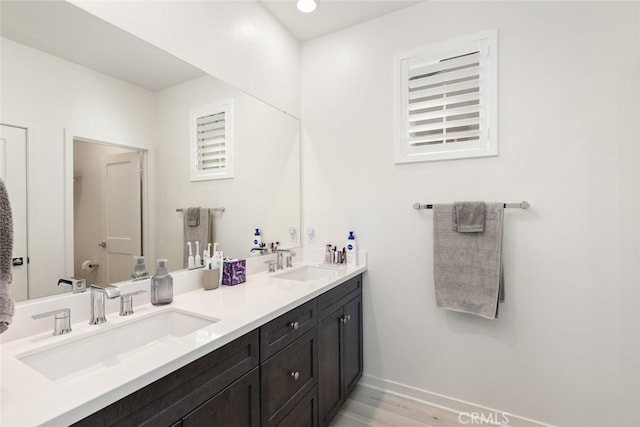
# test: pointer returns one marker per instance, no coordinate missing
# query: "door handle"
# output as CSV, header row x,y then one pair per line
x,y
18,261
102,244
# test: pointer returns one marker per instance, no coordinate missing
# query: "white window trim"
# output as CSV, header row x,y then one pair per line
x,y
488,144
226,173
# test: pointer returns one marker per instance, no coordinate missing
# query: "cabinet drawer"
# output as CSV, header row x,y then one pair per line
x,y
280,332
238,405
287,377
333,299
304,414
166,400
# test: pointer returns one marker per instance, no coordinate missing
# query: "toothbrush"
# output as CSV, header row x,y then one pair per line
x,y
190,260
206,256
198,260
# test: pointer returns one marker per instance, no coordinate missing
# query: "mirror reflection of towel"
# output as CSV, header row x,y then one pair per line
x,y
202,233
6,259
192,215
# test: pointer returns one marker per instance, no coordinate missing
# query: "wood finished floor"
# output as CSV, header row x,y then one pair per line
x,y
370,407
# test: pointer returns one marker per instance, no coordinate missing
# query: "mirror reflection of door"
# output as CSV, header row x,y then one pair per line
x,y
107,189
13,170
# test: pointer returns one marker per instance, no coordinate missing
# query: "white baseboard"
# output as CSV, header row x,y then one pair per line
x,y
466,410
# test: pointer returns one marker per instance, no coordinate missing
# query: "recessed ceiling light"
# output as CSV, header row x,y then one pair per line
x,y
306,6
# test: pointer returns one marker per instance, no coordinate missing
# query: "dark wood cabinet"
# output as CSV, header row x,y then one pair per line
x,y
340,360
238,405
296,370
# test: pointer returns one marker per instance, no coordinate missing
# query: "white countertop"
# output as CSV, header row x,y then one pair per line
x,y
29,398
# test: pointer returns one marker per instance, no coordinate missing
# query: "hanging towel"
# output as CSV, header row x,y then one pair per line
x,y
467,267
468,217
202,233
193,217
6,259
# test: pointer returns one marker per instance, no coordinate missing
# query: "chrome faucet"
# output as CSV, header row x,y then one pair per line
x,y
263,251
98,295
289,257
77,285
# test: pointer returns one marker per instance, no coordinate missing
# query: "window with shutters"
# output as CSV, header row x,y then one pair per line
x,y
447,98
212,142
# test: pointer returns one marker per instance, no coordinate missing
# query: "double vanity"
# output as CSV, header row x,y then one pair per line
x,y
283,348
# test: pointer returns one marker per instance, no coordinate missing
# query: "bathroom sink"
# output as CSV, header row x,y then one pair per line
x,y
107,348
307,273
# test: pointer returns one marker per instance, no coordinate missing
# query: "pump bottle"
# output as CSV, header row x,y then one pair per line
x,y
161,285
352,250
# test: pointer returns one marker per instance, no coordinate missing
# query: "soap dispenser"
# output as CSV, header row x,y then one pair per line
x,y
161,285
139,269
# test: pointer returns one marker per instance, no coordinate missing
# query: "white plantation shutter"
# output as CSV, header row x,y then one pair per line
x,y
211,142
448,101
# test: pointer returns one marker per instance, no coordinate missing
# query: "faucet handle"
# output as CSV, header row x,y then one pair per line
x,y
126,302
62,319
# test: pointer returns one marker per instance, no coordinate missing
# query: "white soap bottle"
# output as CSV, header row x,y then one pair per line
x,y
257,239
352,250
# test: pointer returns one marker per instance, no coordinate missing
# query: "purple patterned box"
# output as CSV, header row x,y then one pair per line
x,y
234,272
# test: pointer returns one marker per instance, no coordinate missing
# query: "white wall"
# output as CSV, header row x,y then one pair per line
x,y
53,95
565,348
265,189
239,42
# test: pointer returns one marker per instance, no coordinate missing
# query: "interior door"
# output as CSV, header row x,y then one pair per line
x,y
13,170
121,218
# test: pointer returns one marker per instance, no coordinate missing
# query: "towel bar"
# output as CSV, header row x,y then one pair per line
x,y
521,205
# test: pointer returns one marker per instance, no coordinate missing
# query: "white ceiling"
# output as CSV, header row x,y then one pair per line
x,y
64,30
330,15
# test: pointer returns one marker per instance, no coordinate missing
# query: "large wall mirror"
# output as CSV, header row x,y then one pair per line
x,y
89,96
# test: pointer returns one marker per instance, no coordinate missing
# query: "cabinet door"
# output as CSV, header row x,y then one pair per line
x,y
330,390
352,344
287,377
238,405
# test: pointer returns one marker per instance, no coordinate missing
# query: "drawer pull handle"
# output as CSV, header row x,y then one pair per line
x,y
295,375
294,325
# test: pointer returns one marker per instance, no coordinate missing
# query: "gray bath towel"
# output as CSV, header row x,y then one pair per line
x,y
468,217
6,259
467,267
202,233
